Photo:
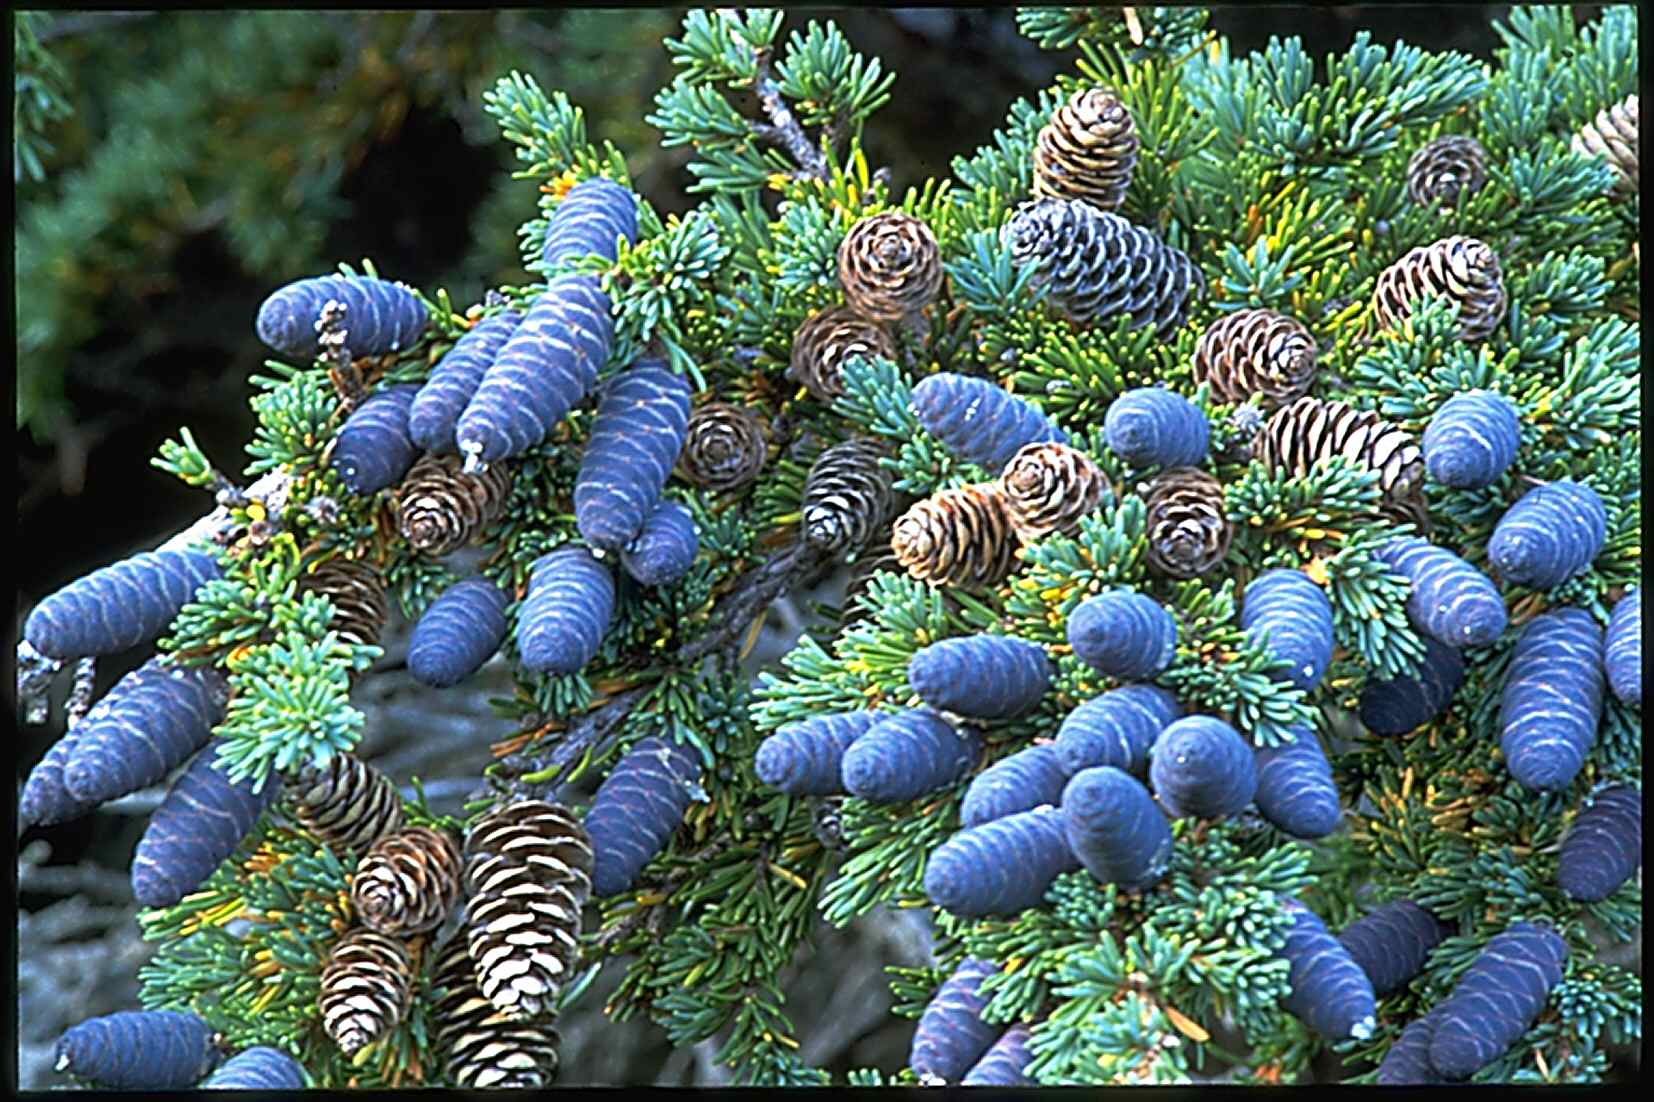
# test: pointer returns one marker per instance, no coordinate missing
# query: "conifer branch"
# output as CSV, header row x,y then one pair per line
x,y
784,129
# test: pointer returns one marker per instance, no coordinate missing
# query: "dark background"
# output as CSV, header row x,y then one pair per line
x,y
426,195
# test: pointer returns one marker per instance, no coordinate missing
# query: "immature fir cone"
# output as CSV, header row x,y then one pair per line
x,y
1445,168
366,984
848,496
1087,151
826,340
957,537
1188,530
1613,134
528,869
407,883
1097,266
482,1048
1256,352
1310,430
890,266
347,803
724,448
440,508
360,608
1461,268
1048,487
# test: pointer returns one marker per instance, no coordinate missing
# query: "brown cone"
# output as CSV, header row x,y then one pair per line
x,y
365,988
407,883
848,497
347,803
1189,529
360,607
1461,268
957,537
1049,487
890,266
724,448
1087,151
480,1047
1256,352
1444,168
440,508
829,338
528,870
1310,430
1613,134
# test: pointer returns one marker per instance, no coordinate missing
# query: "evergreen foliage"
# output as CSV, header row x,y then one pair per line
x,y
1275,183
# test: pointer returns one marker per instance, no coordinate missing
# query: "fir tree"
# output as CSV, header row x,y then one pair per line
x,y
1284,181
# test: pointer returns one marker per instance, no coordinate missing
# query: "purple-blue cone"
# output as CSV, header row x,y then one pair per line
x,y
1123,634
1017,782
978,421
1000,867
199,824
118,606
1116,728
1554,532
1154,426
982,676
908,755
561,623
1115,829
806,758
437,407
1552,699
380,316
374,449
1201,767
665,550
461,630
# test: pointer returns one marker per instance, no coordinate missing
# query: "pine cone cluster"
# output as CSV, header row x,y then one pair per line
x,y
407,883
1189,529
527,870
360,607
724,448
366,986
1048,487
962,537
890,266
440,508
346,803
826,340
1613,134
1461,268
481,1047
1096,265
1452,165
1310,430
1087,151
1259,353
848,496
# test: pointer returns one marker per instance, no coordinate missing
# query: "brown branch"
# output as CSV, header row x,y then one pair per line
x,y
784,129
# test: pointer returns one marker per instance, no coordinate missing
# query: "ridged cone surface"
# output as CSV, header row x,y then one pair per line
x,y
407,883
961,536
440,508
1087,151
890,266
1256,353
528,869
